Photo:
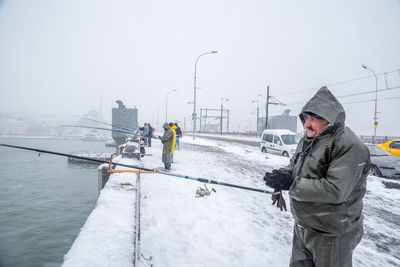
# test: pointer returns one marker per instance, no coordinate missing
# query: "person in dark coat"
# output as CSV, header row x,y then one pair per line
x,y
145,133
326,179
167,140
141,135
150,135
178,135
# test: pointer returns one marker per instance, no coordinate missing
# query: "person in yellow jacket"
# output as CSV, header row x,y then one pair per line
x,y
173,128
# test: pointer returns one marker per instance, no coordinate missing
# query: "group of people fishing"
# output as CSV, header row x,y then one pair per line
x,y
170,140
146,132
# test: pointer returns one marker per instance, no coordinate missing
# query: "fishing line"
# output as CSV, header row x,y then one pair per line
x,y
198,179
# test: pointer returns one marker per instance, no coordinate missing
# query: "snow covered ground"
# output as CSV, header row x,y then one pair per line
x,y
233,137
106,239
231,227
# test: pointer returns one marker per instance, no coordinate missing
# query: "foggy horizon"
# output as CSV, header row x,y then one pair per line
x,y
67,58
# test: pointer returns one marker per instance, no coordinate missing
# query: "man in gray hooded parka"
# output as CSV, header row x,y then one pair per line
x,y
326,179
167,140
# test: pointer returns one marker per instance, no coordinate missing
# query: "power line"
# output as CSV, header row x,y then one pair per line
x,y
370,100
354,94
347,103
294,104
369,92
338,83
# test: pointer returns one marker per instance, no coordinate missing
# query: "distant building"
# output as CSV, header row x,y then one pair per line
x,y
38,130
122,117
13,127
283,121
210,128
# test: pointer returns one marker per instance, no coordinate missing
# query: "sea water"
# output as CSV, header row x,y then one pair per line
x,y
44,200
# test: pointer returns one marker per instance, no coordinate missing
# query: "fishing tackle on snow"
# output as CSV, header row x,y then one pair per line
x,y
198,179
202,192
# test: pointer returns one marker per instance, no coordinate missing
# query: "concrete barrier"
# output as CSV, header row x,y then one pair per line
x,y
102,176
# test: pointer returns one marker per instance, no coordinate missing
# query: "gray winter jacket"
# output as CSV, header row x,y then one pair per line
x,y
330,172
167,140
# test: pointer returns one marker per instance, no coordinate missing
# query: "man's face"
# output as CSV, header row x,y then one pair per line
x,y
314,126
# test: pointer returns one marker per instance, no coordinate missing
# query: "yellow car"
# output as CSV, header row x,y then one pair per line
x,y
393,146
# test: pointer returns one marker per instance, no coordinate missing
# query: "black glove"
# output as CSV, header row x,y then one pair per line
x,y
278,180
279,200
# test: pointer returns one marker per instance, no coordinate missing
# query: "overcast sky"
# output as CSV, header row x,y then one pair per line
x,y
65,56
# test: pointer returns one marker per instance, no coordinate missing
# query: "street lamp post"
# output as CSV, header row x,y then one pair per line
x,y
194,115
222,110
166,105
257,114
266,109
376,102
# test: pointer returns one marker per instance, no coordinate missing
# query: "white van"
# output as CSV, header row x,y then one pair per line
x,y
279,141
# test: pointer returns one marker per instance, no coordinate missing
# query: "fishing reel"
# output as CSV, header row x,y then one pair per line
x,y
202,192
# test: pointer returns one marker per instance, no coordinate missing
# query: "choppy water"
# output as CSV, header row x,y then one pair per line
x,y
44,201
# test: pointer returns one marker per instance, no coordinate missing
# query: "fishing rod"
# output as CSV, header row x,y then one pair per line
x,y
99,128
106,129
198,179
108,124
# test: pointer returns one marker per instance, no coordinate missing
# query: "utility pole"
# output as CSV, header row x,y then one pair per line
x,y
222,110
227,123
257,114
205,121
266,109
220,121
257,118
277,102
376,102
201,117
